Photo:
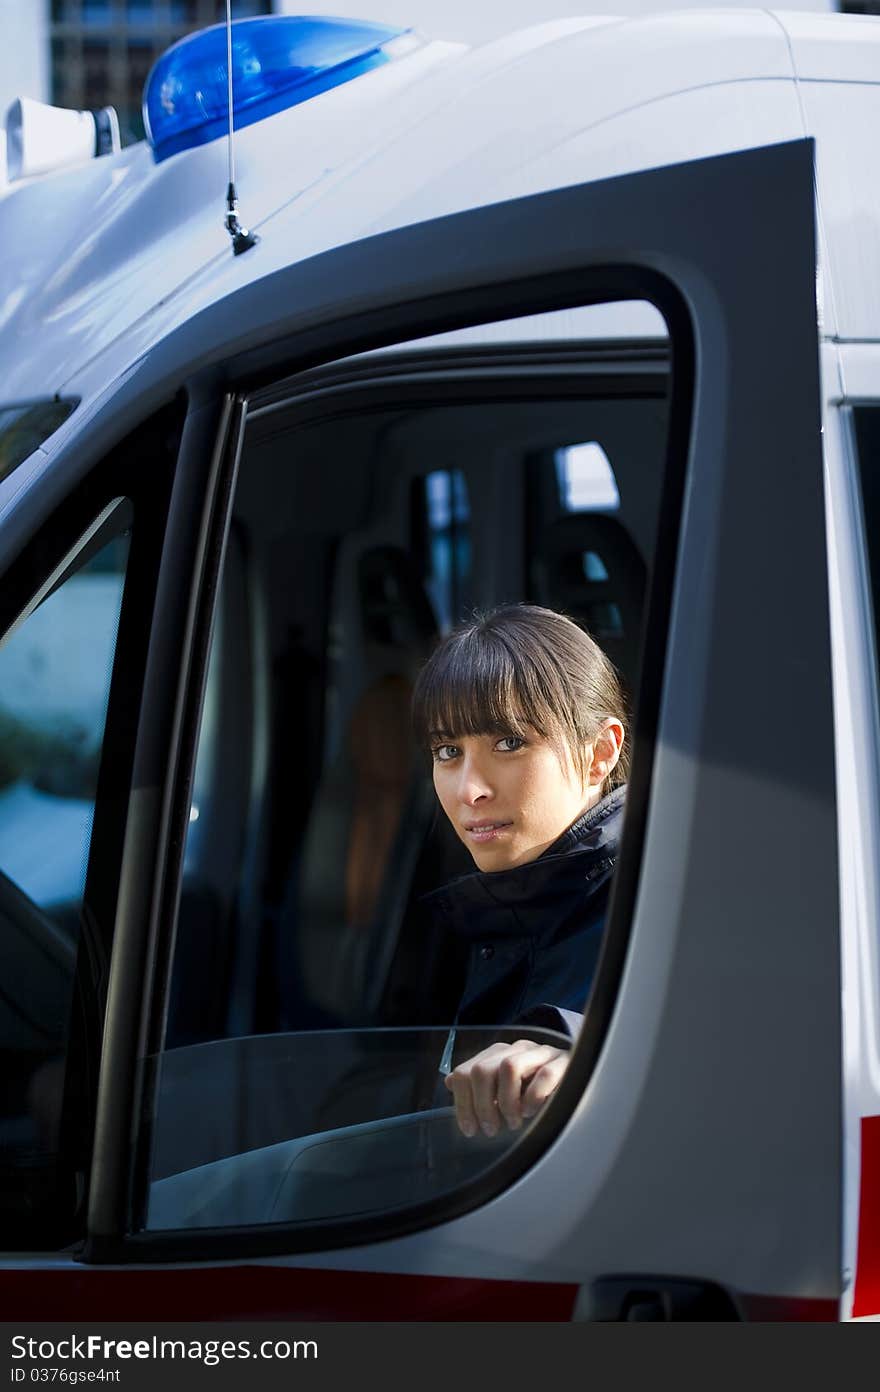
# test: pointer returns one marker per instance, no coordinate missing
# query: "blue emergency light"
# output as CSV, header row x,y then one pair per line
x,y
277,62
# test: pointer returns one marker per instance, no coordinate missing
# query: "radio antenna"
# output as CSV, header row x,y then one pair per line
x,y
242,239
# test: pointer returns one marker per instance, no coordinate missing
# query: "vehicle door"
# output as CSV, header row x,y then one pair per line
x,y
297,1146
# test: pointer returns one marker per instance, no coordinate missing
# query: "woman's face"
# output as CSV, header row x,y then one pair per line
x,y
507,797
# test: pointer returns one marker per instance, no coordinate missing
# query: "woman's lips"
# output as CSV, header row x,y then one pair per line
x,y
481,832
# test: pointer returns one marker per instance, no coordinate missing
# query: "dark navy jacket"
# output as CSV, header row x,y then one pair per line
x,y
534,932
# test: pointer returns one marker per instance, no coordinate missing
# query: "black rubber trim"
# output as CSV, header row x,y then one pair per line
x,y
504,361
161,955
456,389
141,879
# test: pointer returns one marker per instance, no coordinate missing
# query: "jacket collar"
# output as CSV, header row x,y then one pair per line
x,y
598,826
496,900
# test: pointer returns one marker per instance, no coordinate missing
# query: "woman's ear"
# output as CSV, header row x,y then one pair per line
x,y
606,750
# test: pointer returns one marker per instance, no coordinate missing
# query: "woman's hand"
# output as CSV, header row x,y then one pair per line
x,y
504,1085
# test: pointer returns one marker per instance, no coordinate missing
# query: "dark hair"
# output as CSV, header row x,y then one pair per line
x,y
520,665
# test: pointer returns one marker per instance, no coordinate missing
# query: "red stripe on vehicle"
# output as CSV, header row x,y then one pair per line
x,y
779,1309
866,1300
272,1293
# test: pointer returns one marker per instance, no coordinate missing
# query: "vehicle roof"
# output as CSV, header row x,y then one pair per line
x,y
103,260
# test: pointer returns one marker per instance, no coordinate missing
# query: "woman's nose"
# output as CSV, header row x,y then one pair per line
x,y
474,783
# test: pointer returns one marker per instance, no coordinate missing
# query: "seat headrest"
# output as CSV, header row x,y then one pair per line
x,y
395,610
587,565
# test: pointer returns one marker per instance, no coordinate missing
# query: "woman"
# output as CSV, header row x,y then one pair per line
x,y
524,717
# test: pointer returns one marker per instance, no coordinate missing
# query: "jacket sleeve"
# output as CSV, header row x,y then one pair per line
x,y
552,1017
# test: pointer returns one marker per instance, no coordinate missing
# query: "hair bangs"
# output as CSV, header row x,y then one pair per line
x,y
516,668
479,687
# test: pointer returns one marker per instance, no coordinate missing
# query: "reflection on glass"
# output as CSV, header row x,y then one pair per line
x,y
54,684
594,567
586,479
300,1127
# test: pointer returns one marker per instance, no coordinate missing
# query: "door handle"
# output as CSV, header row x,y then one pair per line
x,y
637,1298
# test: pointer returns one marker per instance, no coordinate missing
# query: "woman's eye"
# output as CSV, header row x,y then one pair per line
x,y
444,752
509,744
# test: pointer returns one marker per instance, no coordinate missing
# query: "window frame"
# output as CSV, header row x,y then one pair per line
x,y
625,369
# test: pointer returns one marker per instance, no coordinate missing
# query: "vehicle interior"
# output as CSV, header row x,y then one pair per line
x,y
379,503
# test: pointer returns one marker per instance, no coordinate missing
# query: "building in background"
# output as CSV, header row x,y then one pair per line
x,y
102,50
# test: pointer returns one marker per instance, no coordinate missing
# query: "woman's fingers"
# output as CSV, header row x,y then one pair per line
x,y
512,1072
488,1089
484,1072
465,1116
473,1090
544,1082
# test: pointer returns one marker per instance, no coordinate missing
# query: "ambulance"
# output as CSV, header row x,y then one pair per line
x,y
587,316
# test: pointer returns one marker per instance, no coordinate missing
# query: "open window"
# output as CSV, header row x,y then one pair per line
x,y
310,978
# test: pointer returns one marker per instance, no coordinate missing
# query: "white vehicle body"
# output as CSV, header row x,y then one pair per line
x,y
105,261
424,137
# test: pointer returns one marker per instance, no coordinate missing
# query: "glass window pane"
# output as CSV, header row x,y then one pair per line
x,y
594,567
54,683
96,12
141,12
448,561
586,479
55,670
298,1128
